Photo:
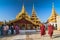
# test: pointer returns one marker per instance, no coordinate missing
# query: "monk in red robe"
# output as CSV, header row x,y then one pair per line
x,y
50,30
42,29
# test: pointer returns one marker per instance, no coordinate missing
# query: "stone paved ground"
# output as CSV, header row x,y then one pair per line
x,y
56,36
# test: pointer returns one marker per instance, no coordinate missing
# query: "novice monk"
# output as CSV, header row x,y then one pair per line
x,y
42,28
50,30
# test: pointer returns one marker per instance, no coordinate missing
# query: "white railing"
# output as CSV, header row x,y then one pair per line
x,y
28,30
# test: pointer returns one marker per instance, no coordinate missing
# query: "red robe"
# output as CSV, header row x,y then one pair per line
x,y
50,30
42,28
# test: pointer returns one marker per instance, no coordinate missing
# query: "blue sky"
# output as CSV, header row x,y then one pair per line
x,y
10,8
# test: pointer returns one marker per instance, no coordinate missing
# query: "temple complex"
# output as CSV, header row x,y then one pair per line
x,y
26,22
53,16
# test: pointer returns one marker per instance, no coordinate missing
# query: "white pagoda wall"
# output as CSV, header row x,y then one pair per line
x,y
58,22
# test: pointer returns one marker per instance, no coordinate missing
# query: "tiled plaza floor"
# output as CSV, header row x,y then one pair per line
x,y
56,36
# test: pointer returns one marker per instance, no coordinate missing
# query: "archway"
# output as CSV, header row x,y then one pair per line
x,y
23,27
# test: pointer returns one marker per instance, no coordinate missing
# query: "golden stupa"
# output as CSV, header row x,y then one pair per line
x,y
23,13
53,16
34,17
26,21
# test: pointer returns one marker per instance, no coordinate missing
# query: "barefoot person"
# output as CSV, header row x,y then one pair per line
x,y
42,30
50,30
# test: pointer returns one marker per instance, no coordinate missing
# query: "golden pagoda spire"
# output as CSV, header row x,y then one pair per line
x,y
33,11
53,5
22,13
23,9
53,10
53,15
34,17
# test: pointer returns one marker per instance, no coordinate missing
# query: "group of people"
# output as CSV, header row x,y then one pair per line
x,y
9,29
43,30
14,29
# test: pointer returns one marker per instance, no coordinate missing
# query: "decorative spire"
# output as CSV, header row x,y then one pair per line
x,y
23,9
33,11
52,4
52,18
33,8
22,13
34,17
53,10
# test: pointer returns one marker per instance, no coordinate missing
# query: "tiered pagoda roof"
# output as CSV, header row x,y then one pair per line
x,y
53,16
34,16
23,15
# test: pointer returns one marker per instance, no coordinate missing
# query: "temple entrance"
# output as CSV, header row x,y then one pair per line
x,y
28,27
23,27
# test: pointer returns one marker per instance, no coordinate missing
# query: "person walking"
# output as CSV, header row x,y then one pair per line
x,y
50,30
42,29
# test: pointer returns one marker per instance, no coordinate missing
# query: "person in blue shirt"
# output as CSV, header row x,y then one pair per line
x,y
1,29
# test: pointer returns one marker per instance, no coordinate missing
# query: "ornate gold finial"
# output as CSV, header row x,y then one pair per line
x,y
33,7
53,10
23,9
22,13
52,4
33,10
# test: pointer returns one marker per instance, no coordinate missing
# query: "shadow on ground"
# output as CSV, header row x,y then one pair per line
x,y
56,35
27,33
